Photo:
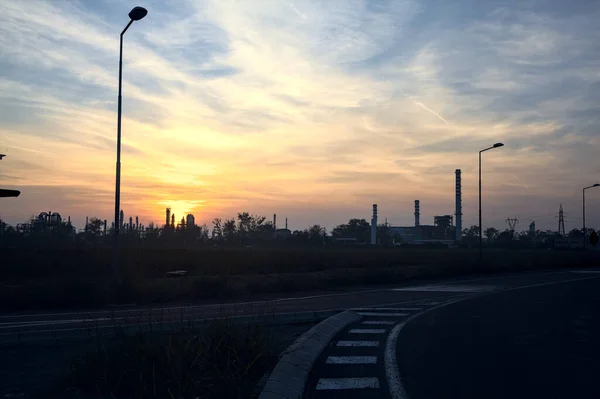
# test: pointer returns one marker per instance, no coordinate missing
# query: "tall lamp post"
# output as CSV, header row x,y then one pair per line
x,y
497,145
583,191
135,14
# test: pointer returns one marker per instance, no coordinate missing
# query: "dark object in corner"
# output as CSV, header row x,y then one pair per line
x,y
9,193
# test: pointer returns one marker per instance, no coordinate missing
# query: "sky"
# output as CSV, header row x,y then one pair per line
x,y
313,110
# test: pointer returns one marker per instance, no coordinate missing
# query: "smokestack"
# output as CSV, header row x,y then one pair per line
x,y
86,224
274,221
417,213
137,223
286,223
374,226
458,206
168,217
104,226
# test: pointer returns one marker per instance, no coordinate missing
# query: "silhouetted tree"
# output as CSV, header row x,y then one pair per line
x,y
95,227
491,233
355,228
217,229
575,233
472,231
229,230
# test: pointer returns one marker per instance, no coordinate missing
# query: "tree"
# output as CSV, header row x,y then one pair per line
x,y
95,227
217,229
316,233
506,236
491,233
472,231
229,229
355,228
575,233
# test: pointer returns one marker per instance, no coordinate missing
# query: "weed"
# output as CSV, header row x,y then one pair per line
x,y
219,360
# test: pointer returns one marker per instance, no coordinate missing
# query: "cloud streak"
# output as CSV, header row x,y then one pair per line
x,y
295,106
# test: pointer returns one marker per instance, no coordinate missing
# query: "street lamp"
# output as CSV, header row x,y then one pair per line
x,y
135,14
497,145
583,191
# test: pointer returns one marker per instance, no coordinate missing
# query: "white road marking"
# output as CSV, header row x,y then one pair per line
x,y
394,309
364,344
391,364
351,360
378,322
367,331
448,288
382,314
348,383
585,271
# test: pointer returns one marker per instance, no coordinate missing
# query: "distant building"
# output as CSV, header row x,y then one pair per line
x,y
190,220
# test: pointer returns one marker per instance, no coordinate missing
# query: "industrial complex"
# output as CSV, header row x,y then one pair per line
x,y
443,229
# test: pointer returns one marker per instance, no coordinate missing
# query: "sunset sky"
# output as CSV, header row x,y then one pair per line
x,y
312,110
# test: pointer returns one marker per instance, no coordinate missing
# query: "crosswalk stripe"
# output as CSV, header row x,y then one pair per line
x,y
358,343
348,383
367,331
383,314
378,322
351,360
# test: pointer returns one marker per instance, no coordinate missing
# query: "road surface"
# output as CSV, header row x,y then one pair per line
x,y
532,335
40,325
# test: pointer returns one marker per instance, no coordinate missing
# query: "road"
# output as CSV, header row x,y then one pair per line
x,y
506,335
40,325
525,336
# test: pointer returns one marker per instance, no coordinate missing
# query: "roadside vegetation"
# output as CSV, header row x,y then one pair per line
x,y
220,360
49,266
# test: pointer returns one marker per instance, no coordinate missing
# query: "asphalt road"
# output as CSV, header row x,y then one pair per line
x,y
523,336
39,325
538,342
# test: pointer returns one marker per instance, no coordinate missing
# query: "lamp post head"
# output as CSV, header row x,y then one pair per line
x,y
498,145
2,156
596,185
137,13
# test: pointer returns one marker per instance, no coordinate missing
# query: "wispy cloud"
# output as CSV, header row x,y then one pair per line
x,y
290,107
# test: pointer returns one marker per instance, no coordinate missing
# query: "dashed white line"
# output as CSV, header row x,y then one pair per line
x,y
380,314
367,331
348,383
363,344
378,322
447,288
351,360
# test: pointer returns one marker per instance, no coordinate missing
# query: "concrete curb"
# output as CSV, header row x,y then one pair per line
x,y
288,379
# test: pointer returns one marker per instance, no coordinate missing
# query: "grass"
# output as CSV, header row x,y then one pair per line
x,y
221,360
48,279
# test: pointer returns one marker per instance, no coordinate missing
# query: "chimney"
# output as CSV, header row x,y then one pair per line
x,y
286,223
86,224
104,226
458,206
374,226
417,213
274,221
168,217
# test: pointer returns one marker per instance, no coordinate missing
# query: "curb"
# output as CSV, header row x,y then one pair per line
x,y
288,379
